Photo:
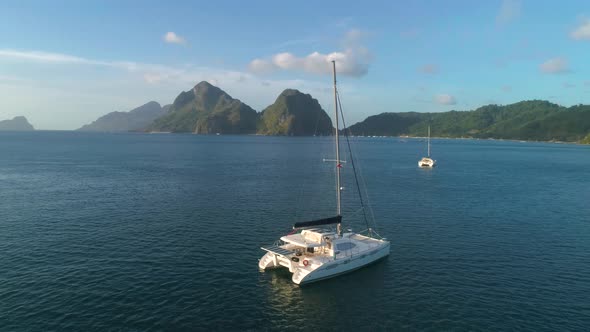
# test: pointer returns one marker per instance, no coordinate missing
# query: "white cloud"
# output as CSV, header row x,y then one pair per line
x,y
568,85
429,69
213,81
445,99
555,66
152,78
126,84
354,60
170,77
173,38
288,60
65,59
582,31
261,66
509,11
5,78
45,57
149,73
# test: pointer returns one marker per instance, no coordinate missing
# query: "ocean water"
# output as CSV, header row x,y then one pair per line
x,y
139,232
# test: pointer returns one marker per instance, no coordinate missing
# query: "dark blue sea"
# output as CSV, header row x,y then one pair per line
x,y
140,232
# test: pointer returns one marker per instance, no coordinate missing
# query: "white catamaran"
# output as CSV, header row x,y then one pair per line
x,y
427,161
316,250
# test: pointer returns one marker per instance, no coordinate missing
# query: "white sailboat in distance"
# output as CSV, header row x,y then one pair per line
x,y
316,250
427,161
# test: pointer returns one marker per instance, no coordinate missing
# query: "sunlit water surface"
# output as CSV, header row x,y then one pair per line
x,y
141,232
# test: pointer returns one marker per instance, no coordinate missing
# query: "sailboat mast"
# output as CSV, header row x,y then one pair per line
x,y
428,141
338,165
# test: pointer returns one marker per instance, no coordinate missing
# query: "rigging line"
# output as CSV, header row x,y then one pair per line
x,y
359,153
372,213
346,130
364,189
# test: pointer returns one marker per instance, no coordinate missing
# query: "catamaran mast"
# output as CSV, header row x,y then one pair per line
x,y
428,141
338,163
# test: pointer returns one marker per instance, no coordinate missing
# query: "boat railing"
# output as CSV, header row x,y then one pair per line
x,y
353,252
371,233
278,248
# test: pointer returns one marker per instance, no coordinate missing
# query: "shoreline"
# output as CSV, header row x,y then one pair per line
x,y
352,136
474,138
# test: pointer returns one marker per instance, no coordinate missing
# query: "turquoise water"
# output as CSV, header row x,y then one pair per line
x,y
137,232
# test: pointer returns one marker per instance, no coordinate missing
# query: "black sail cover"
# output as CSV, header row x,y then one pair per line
x,y
319,222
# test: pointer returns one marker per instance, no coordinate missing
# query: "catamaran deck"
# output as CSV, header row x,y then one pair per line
x,y
278,250
356,244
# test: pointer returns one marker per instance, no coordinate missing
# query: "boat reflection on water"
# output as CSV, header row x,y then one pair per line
x,y
319,304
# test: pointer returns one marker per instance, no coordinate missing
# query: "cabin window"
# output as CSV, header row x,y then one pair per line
x,y
310,250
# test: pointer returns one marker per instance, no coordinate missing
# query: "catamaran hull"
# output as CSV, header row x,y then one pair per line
x,y
427,162
305,275
271,261
340,267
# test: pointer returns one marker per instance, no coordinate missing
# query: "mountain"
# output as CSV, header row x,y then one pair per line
x,y
537,120
136,119
586,139
18,123
294,114
207,109
387,124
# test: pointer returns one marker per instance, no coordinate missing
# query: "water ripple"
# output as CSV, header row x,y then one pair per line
x,y
161,232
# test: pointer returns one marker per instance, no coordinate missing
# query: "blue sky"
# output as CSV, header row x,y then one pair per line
x,y
65,63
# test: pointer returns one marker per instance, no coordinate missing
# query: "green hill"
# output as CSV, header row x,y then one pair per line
x,y
527,120
135,120
206,109
294,114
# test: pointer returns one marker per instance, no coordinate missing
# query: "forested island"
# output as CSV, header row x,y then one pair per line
x,y
535,120
206,109
135,120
